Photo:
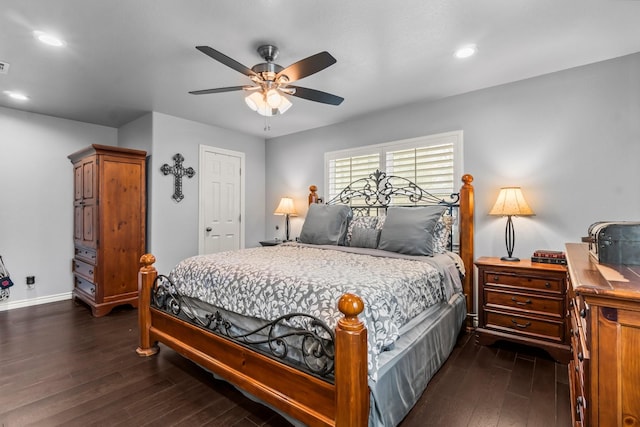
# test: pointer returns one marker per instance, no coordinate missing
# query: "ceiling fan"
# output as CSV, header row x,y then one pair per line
x,y
272,82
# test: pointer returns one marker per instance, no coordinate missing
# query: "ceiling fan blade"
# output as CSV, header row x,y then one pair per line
x,y
306,67
224,59
218,90
316,95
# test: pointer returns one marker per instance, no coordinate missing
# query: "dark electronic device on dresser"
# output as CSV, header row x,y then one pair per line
x,y
614,242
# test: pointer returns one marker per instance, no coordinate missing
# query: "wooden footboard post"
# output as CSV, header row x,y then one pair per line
x,y
146,276
352,389
466,243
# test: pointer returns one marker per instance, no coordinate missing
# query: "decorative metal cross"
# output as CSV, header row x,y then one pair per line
x,y
178,172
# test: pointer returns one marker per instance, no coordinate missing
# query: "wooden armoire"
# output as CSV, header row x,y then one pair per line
x,y
109,207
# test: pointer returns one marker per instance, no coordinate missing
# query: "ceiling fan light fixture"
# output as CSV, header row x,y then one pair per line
x,y
274,99
285,104
254,100
259,102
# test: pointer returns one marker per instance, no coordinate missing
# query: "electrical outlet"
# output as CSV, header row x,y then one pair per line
x,y
31,281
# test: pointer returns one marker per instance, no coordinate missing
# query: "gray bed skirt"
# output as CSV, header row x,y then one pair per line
x,y
416,357
406,369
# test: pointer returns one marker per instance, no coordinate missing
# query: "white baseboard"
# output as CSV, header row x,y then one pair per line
x,y
10,305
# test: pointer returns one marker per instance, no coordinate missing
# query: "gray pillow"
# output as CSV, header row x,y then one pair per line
x,y
326,225
365,237
410,230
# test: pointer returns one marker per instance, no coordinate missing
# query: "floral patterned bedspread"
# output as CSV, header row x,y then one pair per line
x,y
268,282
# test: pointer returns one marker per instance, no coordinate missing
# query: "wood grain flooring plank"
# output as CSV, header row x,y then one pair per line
x,y
61,366
543,391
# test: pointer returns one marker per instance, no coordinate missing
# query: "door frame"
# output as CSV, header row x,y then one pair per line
x,y
204,149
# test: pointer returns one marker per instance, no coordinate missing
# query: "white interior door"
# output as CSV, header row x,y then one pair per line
x,y
221,200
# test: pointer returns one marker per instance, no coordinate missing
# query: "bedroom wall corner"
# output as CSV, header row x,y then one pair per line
x,y
36,220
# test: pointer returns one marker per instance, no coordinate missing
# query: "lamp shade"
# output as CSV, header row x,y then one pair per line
x,y
511,202
286,207
268,104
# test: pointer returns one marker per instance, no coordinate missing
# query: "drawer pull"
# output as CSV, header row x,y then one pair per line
x,y
93,290
547,285
580,356
520,325
583,313
514,299
496,278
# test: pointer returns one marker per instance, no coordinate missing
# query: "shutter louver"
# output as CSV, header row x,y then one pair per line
x,y
343,172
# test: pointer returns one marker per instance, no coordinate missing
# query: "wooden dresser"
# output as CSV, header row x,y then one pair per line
x,y
604,373
109,225
523,302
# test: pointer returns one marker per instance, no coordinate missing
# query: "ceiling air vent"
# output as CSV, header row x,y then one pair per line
x,y
4,67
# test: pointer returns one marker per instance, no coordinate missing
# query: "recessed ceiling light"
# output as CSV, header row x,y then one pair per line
x,y
466,51
16,95
49,39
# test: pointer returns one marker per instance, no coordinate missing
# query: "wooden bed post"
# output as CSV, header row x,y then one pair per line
x,y
146,276
466,244
351,369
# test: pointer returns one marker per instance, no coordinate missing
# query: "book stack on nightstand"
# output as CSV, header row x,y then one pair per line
x,y
549,257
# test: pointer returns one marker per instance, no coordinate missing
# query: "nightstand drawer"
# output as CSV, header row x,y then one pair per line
x,y
528,303
524,281
529,326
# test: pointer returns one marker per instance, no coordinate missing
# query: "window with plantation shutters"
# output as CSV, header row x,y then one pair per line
x,y
433,162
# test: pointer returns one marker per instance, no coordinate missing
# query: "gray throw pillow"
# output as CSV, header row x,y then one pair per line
x,y
365,237
410,230
326,225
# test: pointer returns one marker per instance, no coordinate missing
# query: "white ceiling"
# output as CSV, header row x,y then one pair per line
x,y
125,58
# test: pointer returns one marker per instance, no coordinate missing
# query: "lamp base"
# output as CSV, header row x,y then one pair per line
x,y
509,258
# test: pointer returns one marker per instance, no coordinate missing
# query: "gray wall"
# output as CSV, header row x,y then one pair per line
x,y
570,139
173,227
36,190
36,218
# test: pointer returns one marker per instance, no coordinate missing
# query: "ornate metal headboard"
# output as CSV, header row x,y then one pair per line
x,y
372,196
379,191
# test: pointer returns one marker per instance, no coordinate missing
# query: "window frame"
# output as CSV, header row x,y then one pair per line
x,y
454,137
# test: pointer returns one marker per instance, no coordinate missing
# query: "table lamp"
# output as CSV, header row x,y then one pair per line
x,y
287,209
510,203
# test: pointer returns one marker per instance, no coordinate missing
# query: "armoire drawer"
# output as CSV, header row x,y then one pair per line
x,y
84,269
86,287
85,254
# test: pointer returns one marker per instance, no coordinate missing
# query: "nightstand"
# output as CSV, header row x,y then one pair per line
x,y
524,302
274,242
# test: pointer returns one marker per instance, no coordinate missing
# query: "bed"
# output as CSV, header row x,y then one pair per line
x,y
345,327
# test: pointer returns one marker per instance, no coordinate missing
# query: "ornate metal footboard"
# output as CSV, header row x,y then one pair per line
x,y
311,349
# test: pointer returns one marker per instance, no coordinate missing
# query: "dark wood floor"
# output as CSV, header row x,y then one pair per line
x,y
60,366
